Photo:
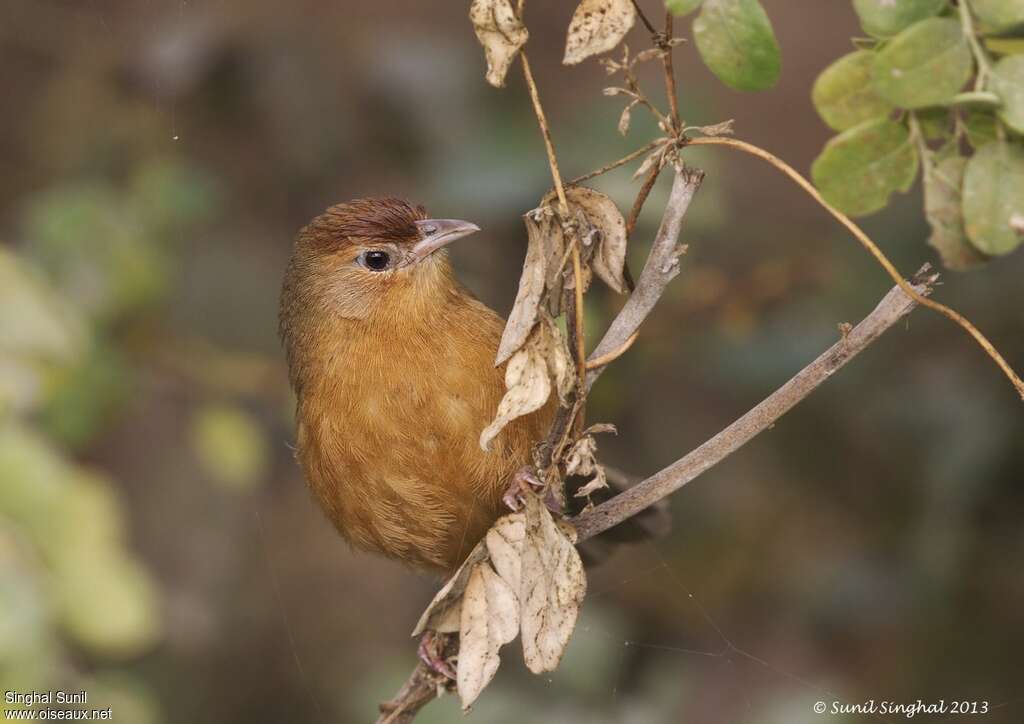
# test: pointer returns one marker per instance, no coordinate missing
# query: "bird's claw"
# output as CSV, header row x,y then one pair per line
x,y
523,481
431,653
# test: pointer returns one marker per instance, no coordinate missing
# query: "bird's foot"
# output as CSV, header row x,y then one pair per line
x,y
432,653
525,480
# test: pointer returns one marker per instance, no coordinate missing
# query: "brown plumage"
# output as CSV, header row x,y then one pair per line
x,y
393,368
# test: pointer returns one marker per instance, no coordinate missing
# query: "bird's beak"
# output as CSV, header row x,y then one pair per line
x,y
438,233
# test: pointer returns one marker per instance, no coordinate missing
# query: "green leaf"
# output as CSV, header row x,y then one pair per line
x,y
230,445
925,65
862,167
36,321
936,123
843,93
1008,82
995,15
736,41
107,602
82,398
981,128
942,206
885,18
1005,46
994,198
682,7
96,249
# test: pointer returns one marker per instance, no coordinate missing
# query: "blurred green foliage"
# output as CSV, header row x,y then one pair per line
x,y
157,544
98,254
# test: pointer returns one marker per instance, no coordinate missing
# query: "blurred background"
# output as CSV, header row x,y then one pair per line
x,y
158,547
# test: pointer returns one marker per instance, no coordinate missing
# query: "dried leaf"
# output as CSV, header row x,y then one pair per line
x,y
654,157
527,389
490,619
625,118
553,587
582,460
531,285
650,54
442,615
596,27
553,346
718,129
504,543
525,576
603,215
598,220
552,242
601,427
501,34
598,482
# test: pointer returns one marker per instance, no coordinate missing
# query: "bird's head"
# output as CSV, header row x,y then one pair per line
x,y
369,253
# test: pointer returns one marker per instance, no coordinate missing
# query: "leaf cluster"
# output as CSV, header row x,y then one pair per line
x,y
929,91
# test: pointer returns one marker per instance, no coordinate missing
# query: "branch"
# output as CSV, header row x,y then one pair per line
x,y
421,688
890,310
661,267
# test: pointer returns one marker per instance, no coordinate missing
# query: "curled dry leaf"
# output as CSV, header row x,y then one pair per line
x,y
553,587
552,244
544,359
625,118
551,342
524,576
596,27
655,157
650,54
598,220
501,34
604,216
531,285
543,278
443,612
725,128
527,388
582,460
504,543
489,619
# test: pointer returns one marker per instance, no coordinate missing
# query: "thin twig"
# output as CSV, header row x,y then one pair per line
x,y
980,56
556,176
872,248
577,274
545,131
615,164
609,357
661,267
670,76
890,310
641,198
643,18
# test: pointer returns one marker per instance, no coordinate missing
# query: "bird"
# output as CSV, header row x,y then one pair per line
x,y
392,362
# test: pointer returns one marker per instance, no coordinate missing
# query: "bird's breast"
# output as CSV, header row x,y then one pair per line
x,y
389,430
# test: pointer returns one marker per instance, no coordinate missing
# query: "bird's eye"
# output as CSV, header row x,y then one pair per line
x,y
375,259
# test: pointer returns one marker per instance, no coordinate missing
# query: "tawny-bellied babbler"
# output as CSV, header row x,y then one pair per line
x,y
392,362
